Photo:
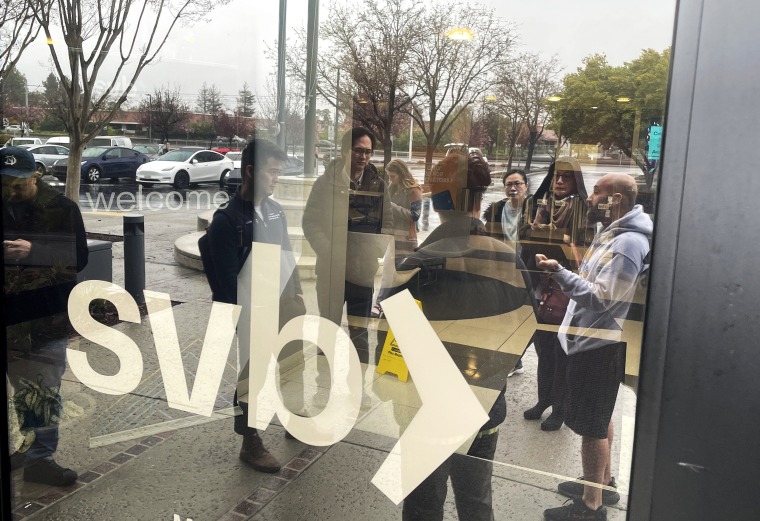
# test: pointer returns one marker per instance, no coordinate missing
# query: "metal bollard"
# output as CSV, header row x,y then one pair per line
x,y
134,256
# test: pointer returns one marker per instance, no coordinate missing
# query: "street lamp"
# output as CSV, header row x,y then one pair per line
x,y
460,34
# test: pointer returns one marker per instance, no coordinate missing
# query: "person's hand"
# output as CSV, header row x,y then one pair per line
x,y
545,263
17,250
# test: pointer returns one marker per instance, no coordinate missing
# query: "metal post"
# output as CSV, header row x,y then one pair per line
x,y
337,127
281,77
134,255
25,124
150,118
411,129
312,38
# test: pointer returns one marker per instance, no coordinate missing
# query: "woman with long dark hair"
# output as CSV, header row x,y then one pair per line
x,y
561,217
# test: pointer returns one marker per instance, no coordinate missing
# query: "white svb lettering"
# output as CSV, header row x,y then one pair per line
x,y
449,415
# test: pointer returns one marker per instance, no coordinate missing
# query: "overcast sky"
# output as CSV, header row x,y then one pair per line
x,y
227,48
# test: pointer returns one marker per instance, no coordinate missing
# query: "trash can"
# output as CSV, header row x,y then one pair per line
x,y
100,263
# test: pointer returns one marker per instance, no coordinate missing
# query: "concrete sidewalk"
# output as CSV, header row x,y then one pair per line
x,y
140,460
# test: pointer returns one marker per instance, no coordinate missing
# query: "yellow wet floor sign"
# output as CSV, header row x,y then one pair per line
x,y
391,360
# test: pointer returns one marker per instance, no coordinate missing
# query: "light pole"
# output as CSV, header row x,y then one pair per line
x,y
281,77
411,129
312,38
150,118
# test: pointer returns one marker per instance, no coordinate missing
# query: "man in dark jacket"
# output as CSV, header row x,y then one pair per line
x,y
348,208
253,216
44,245
465,275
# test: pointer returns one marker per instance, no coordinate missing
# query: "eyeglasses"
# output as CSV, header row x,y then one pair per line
x,y
566,176
362,151
514,184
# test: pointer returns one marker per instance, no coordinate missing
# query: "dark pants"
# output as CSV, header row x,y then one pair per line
x,y
552,369
470,480
289,309
359,304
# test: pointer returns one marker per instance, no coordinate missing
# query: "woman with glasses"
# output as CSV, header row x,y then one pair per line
x,y
509,219
506,219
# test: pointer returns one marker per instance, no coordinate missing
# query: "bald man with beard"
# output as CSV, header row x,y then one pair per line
x,y
601,292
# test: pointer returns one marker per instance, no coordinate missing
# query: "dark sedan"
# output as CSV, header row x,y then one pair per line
x,y
109,162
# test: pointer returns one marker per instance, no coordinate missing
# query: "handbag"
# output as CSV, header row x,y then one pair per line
x,y
553,302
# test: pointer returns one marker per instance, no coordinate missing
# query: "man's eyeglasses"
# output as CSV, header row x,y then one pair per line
x,y
362,151
514,184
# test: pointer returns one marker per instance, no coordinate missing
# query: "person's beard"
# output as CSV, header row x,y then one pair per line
x,y
597,215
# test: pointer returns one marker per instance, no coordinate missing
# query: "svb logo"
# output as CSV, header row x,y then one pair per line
x,y
450,413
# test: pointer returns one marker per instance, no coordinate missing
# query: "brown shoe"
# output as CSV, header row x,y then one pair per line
x,y
256,455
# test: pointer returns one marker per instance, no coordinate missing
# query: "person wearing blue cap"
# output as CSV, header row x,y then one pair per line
x,y
44,246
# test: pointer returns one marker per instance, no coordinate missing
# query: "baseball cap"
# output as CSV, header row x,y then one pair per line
x,y
17,162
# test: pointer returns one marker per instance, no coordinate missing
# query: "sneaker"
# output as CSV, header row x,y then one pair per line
x,y
574,490
518,369
48,472
553,422
535,412
576,511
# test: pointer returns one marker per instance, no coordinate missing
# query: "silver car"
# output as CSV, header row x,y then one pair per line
x,y
46,155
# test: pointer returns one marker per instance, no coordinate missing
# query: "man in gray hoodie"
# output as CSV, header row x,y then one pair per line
x,y
601,292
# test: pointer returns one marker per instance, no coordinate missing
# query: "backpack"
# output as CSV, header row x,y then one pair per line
x,y
237,219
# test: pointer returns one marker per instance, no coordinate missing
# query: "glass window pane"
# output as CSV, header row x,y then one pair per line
x,y
439,267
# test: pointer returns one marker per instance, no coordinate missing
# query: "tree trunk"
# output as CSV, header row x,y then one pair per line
x,y
531,146
74,167
429,155
387,141
511,151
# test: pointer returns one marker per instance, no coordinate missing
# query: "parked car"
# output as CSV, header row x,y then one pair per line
x,y
184,167
292,166
110,162
12,129
152,151
20,141
58,140
45,156
110,141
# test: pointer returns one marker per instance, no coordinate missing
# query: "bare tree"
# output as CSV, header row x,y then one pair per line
x,y
164,111
294,110
373,47
18,28
525,87
105,48
364,65
453,62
